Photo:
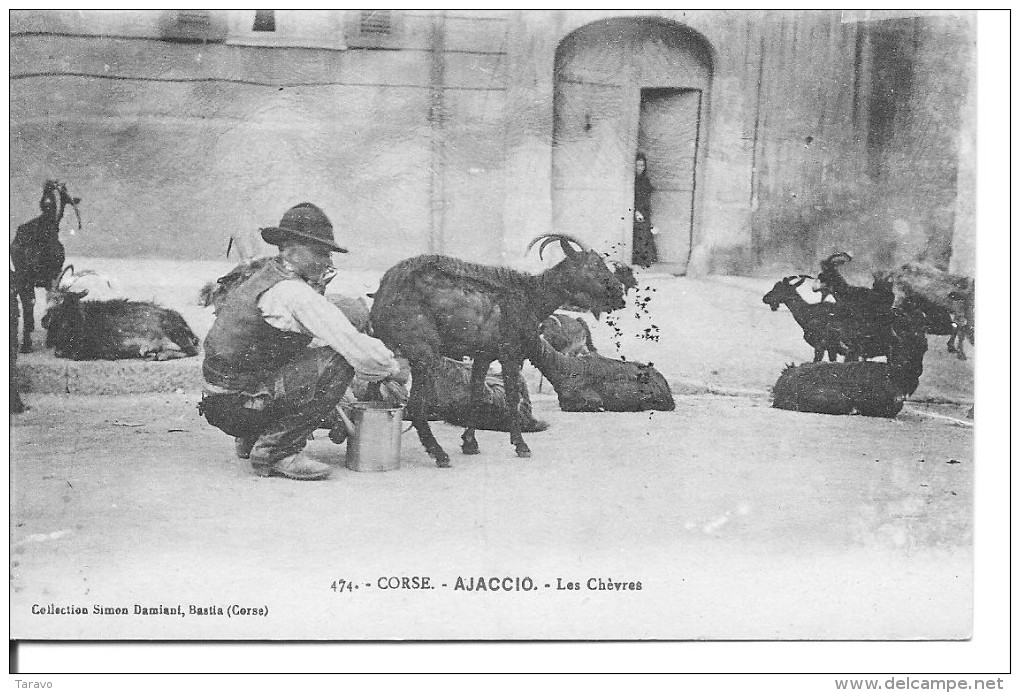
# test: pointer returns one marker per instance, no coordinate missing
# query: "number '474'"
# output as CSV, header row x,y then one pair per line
x,y
342,586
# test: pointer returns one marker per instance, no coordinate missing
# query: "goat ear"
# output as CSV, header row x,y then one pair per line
x,y
800,280
75,200
568,249
80,294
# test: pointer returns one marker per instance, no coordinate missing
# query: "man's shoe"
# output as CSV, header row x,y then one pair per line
x,y
299,466
243,446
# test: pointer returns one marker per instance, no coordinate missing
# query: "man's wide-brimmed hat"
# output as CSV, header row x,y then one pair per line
x,y
303,222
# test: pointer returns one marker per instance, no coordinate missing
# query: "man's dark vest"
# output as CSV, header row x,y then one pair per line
x,y
242,349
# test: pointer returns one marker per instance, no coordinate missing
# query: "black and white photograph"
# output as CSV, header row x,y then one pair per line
x,y
494,325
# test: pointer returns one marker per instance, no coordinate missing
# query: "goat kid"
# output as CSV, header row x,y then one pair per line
x,y
432,306
115,329
37,253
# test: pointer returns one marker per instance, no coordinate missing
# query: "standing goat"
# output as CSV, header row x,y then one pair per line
x,y
870,312
864,302
432,306
823,330
962,310
117,329
596,383
37,253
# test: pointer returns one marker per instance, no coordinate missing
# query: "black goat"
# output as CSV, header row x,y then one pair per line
x,y
937,319
962,309
870,312
111,330
37,253
862,387
867,304
432,306
939,293
823,330
17,406
595,383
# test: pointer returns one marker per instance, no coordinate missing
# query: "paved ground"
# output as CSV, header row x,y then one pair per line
x,y
738,520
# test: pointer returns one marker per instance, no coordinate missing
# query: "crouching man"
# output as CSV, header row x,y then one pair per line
x,y
280,356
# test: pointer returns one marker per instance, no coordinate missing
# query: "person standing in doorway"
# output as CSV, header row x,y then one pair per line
x,y
644,251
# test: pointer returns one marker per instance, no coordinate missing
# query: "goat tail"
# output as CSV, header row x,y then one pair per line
x,y
230,244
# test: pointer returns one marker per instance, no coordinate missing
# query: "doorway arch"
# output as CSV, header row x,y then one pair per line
x,y
624,85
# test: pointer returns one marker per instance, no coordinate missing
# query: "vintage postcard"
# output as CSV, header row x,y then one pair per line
x,y
352,325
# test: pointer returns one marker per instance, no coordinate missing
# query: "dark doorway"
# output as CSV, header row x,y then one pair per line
x,y
668,130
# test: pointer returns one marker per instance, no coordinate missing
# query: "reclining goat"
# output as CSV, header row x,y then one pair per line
x,y
111,330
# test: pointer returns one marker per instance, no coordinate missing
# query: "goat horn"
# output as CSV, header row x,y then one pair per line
x,y
65,197
60,279
88,273
548,238
831,260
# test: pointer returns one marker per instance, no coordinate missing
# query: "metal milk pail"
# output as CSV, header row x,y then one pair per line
x,y
375,445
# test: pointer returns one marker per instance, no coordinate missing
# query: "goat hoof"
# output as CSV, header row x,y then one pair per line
x,y
26,348
443,461
523,451
470,448
962,356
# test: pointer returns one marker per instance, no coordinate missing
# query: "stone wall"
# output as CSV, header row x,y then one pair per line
x,y
442,140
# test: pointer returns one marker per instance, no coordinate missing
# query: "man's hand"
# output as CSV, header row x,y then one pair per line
x,y
403,374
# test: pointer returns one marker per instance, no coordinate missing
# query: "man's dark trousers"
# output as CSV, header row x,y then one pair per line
x,y
286,407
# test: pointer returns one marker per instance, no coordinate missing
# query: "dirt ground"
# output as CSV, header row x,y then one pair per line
x,y
739,521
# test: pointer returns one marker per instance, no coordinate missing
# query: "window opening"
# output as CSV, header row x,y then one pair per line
x,y
265,20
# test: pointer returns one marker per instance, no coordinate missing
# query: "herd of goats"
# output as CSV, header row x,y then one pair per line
x,y
452,319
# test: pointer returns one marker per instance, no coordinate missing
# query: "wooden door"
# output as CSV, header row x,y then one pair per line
x,y
591,158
